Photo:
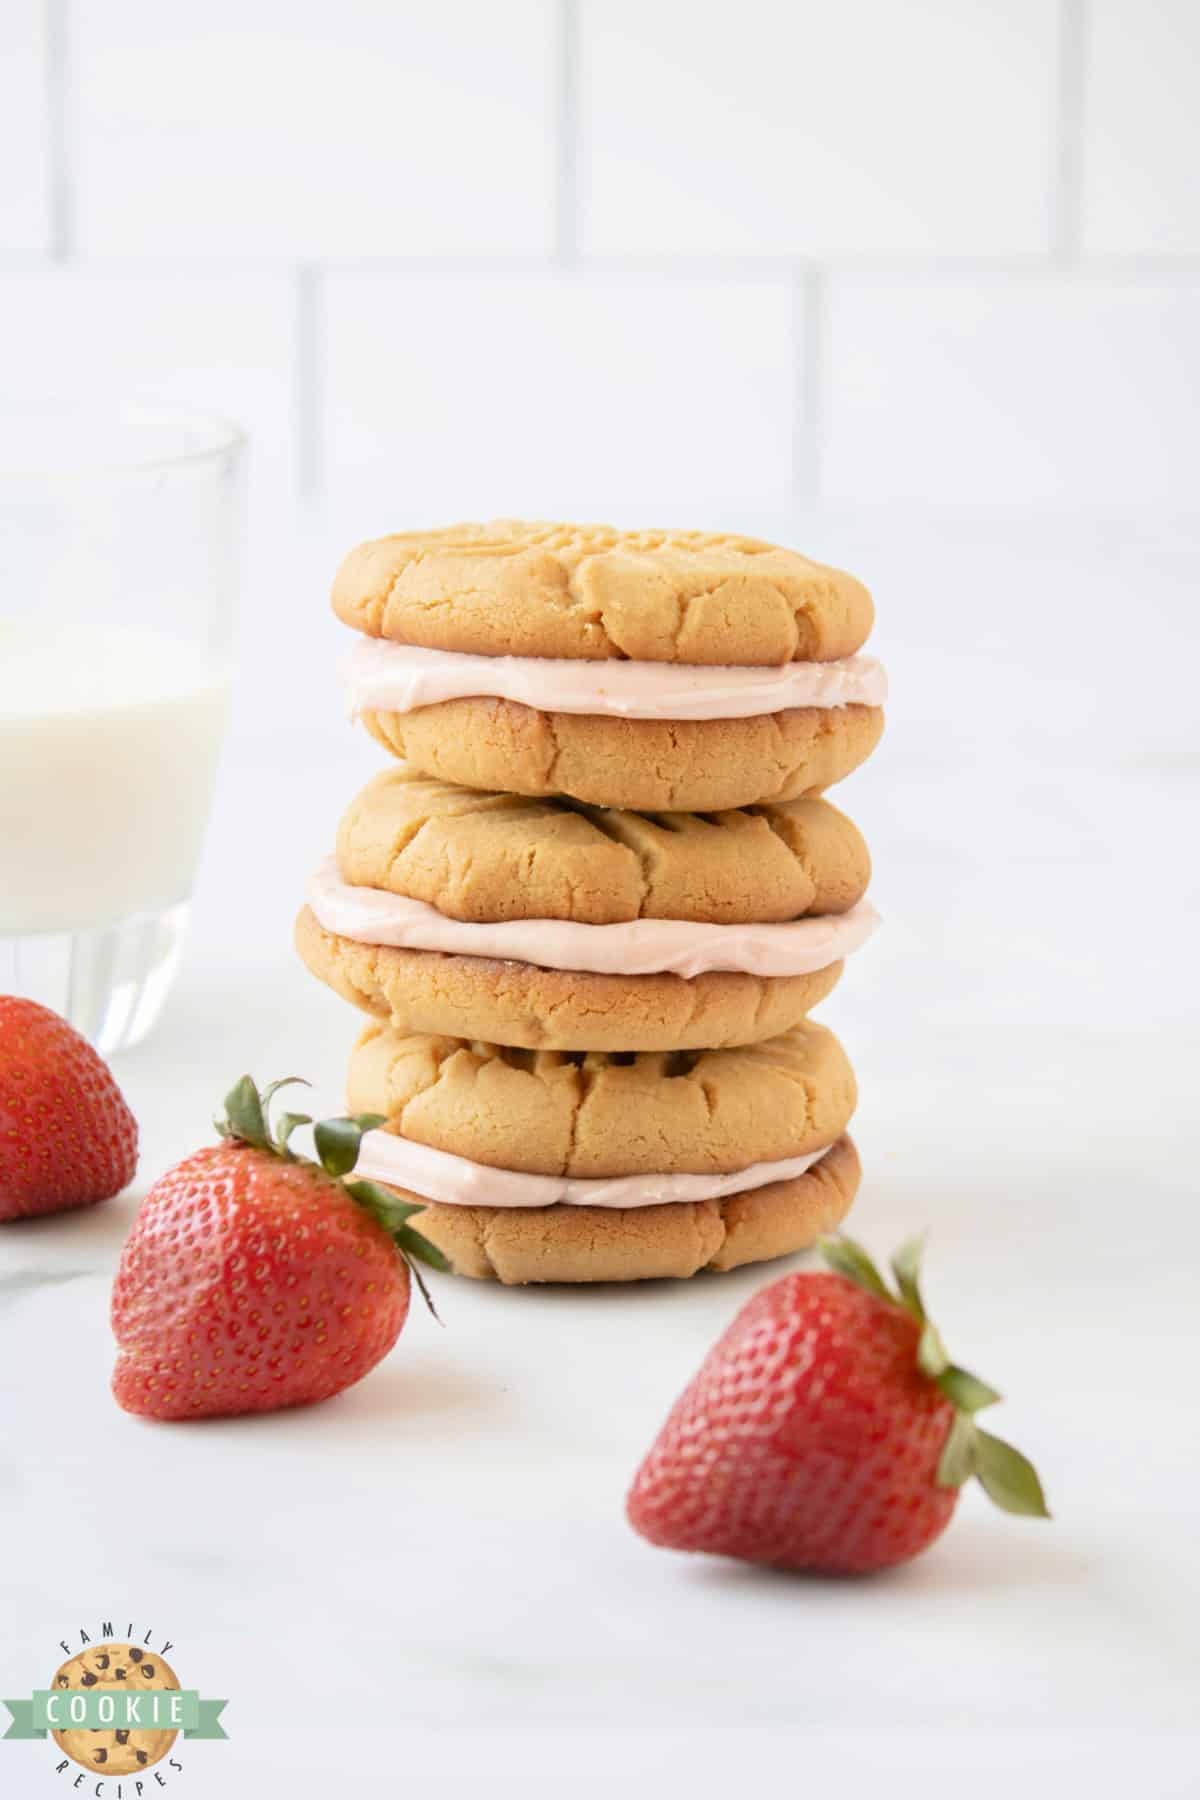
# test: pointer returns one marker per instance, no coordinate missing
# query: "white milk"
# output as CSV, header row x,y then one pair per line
x,y
108,746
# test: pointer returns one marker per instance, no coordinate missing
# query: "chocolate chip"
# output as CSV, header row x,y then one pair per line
x,y
122,1737
148,1671
101,1756
141,1756
136,1655
90,1680
64,1681
120,1674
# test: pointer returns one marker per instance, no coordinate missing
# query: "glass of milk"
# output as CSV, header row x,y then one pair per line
x,y
119,539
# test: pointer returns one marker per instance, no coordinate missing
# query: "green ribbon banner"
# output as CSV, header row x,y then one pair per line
x,y
102,1709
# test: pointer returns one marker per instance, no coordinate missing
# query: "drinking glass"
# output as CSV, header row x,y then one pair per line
x,y
119,546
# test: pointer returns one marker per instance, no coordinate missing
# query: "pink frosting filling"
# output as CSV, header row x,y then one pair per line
x,y
641,947
383,677
456,1181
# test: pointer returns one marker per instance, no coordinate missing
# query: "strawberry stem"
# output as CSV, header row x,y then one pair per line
x,y
1008,1478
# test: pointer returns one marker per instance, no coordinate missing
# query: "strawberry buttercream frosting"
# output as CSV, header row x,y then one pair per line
x,y
379,676
684,947
457,1181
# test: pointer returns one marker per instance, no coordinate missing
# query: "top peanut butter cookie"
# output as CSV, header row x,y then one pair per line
x,y
591,592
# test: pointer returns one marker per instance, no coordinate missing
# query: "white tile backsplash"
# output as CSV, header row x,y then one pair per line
x,y
1012,390
25,223
684,260
209,341
815,130
1141,188
512,392
304,129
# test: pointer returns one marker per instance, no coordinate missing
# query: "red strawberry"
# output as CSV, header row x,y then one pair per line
x,y
254,1279
67,1137
828,1430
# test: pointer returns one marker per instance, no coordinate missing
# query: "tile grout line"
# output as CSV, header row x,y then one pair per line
x,y
1107,266
60,194
1066,204
566,220
809,299
307,385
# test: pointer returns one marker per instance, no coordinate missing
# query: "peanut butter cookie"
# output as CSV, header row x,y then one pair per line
x,y
480,856
644,765
511,588
608,1114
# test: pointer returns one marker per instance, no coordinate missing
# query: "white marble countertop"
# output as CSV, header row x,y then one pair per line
x,y
429,1581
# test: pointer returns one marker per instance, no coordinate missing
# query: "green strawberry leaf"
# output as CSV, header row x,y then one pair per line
x,y
244,1116
965,1391
845,1257
393,1214
273,1087
419,1248
906,1267
957,1464
288,1123
385,1206
338,1141
933,1359
1008,1478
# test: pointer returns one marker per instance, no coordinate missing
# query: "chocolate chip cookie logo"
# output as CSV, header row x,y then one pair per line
x,y
116,1708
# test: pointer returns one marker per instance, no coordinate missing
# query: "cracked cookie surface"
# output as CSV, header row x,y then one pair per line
x,y
706,1112
511,588
486,856
592,1244
556,1009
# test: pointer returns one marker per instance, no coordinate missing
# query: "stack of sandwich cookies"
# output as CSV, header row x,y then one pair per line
x,y
589,939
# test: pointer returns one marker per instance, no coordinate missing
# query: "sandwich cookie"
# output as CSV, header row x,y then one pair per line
x,y
544,925
552,1167
682,671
